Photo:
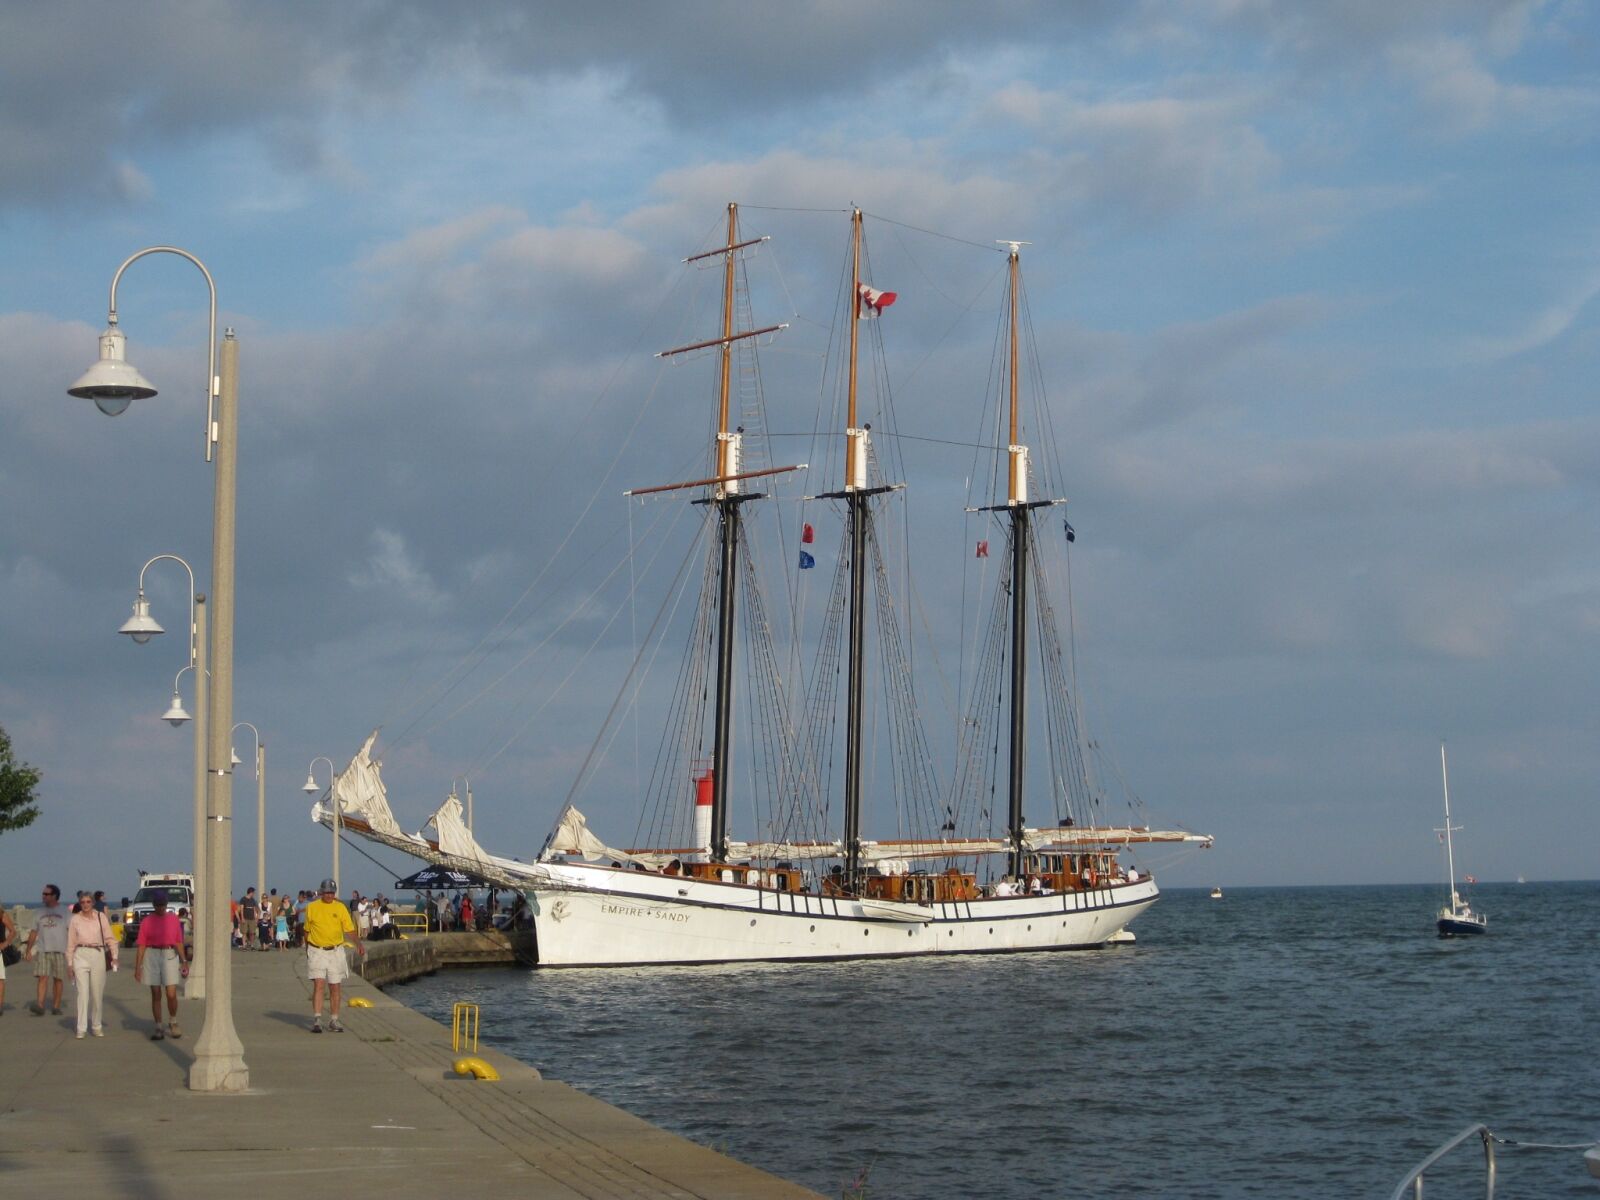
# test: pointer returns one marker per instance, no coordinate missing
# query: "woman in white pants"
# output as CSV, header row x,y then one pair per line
x,y
89,940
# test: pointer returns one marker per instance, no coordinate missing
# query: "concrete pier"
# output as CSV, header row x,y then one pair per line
x,y
374,1112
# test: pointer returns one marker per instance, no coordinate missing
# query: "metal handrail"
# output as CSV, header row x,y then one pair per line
x,y
1412,1183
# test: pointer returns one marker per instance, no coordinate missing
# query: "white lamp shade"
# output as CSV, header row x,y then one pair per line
x,y
112,383
234,759
175,716
141,627
311,788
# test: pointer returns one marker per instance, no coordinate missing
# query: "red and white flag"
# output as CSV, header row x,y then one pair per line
x,y
872,301
983,550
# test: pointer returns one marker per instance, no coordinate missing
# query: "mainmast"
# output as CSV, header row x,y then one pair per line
x,y
855,482
857,498
1017,507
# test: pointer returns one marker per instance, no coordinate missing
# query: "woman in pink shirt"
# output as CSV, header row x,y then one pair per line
x,y
89,939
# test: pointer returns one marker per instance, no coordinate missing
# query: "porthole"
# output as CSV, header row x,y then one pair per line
x,y
866,932
910,932
752,922
1030,928
991,929
814,928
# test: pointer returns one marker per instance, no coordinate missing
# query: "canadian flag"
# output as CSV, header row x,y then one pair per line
x,y
872,301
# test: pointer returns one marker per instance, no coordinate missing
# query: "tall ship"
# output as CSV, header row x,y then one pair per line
x,y
812,767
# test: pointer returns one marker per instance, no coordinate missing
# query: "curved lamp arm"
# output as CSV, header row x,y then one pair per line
x,y
246,725
192,593
213,382
333,773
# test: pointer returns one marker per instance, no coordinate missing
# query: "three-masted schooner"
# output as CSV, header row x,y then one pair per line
x,y
717,899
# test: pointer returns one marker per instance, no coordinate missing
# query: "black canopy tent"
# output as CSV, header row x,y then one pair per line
x,y
441,879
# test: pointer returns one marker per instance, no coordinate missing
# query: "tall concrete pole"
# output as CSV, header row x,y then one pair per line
x,y
219,1064
195,987
261,822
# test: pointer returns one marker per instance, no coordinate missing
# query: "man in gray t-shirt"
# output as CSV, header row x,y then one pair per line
x,y
47,946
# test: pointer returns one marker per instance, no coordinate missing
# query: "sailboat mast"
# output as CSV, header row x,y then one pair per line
x,y
726,463
1017,504
1449,843
856,503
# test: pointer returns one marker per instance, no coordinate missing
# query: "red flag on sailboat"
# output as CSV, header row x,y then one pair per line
x,y
872,301
1472,879
807,534
983,550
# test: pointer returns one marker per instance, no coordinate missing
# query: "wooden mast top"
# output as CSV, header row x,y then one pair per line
x,y
727,333
851,448
1018,483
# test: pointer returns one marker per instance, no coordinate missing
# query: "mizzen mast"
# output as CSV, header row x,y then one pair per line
x,y
1018,509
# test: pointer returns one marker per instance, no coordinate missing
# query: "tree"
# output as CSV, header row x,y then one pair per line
x,y
17,781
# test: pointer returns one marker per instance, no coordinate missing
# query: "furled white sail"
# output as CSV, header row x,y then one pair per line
x,y
454,837
358,791
571,836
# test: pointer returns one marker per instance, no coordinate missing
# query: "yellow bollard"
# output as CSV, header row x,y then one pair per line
x,y
464,1023
358,1002
476,1067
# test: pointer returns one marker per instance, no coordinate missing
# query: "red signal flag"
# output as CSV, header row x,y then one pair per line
x,y
983,550
807,534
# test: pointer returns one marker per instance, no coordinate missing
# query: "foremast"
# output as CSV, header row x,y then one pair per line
x,y
727,495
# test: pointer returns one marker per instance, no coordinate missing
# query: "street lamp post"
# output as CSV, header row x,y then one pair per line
x,y
141,627
311,789
112,383
261,804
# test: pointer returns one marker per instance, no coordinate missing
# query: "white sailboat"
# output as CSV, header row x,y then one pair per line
x,y
1457,918
707,897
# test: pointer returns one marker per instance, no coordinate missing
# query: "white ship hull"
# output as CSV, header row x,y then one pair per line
x,y
591,916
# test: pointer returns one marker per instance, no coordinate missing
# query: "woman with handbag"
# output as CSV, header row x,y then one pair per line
x,y
91,951
9,954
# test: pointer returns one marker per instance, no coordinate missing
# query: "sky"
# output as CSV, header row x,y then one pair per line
x,y
1314,294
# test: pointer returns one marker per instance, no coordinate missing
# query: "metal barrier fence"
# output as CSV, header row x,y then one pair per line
x,y
409,922
463,1020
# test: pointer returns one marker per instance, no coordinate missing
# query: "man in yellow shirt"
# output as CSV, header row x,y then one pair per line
x,y
328,927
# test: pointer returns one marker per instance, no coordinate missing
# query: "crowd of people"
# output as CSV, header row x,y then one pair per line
x,y
277,922
462,914
83,944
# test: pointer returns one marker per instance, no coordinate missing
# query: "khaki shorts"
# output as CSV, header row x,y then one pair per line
x,y
162,967
48,964
330,964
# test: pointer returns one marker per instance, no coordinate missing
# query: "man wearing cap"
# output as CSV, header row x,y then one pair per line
x,y
328,927
162,961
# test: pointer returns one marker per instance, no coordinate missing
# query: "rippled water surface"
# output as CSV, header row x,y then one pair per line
x,y
1293,1042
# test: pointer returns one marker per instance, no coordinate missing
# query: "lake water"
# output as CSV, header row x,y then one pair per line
x,y
1284,1042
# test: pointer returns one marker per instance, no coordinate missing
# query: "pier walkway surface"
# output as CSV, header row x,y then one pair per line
x,y
374,1112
